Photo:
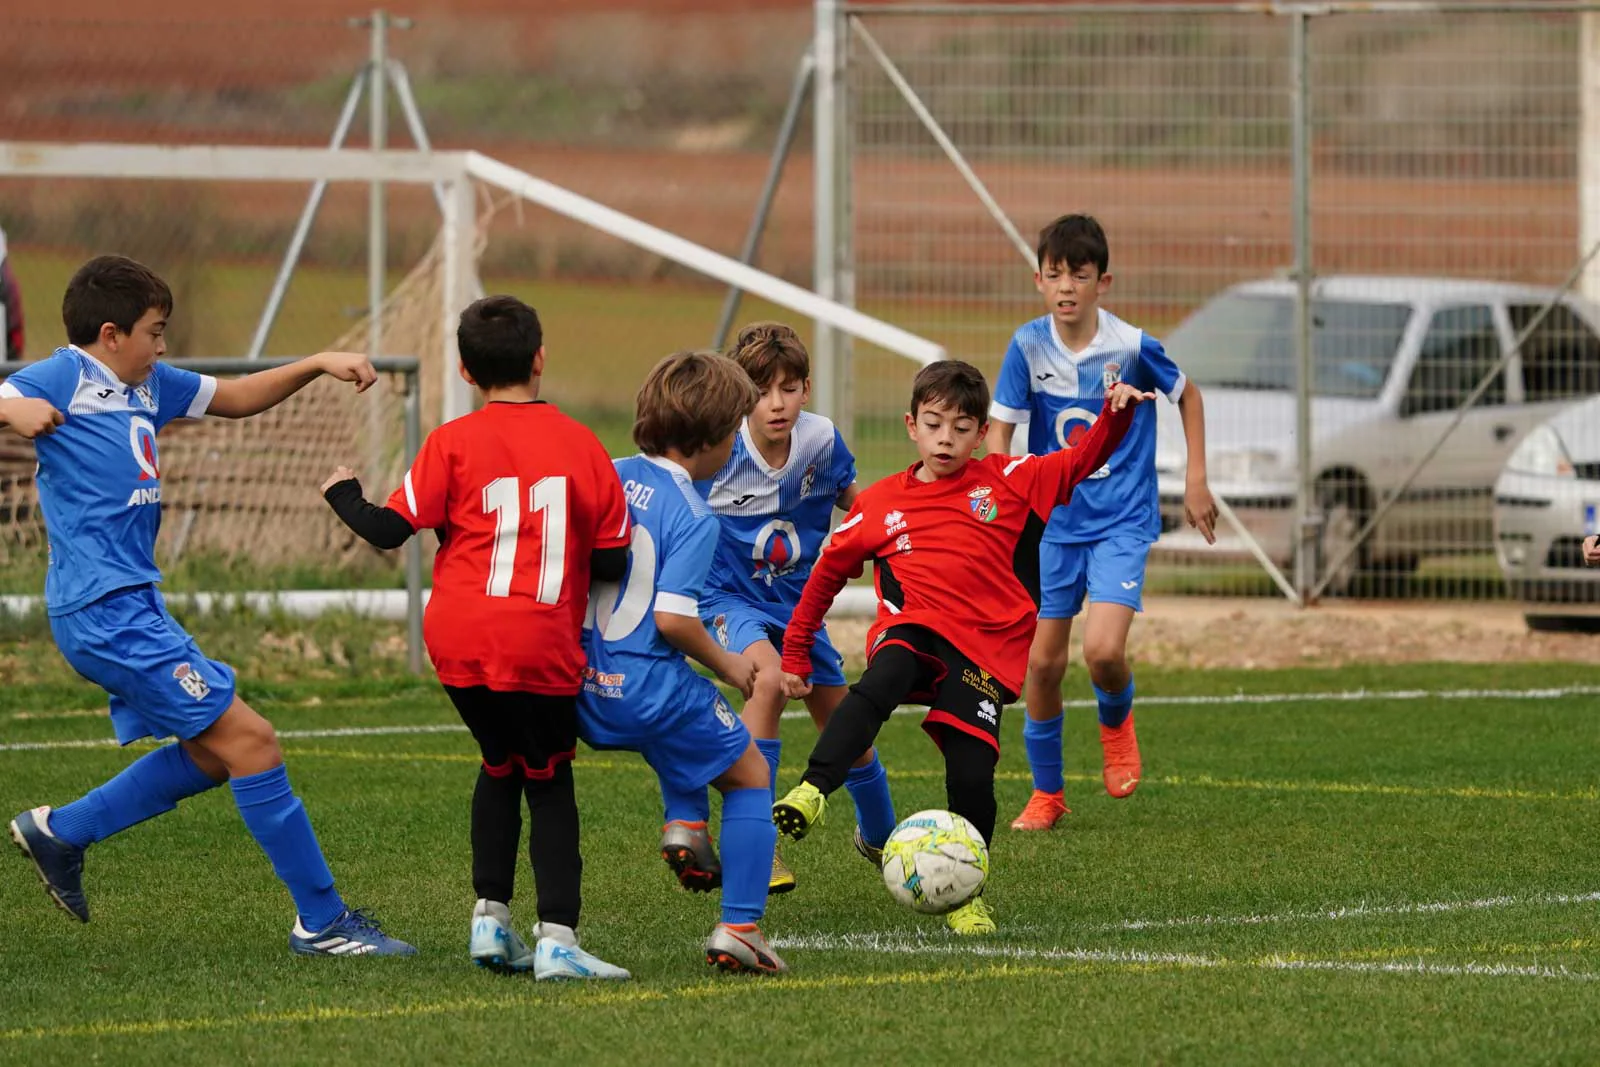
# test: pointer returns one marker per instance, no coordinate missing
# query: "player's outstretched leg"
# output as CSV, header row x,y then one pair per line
x,y
56,839
748,838
969,792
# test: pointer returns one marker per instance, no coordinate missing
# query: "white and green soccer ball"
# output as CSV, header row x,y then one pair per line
x,y
935,861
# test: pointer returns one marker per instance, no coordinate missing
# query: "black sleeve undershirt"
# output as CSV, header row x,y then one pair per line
x,y
378,526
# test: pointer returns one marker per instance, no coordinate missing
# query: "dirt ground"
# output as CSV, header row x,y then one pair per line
x,y
1260,633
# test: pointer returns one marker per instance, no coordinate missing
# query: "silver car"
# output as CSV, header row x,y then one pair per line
x,y
1394,357
1546,501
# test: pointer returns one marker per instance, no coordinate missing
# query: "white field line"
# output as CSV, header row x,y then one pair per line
x,y
1211,700
1352,911
1179,960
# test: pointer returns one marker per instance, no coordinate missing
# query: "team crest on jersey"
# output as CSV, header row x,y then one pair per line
x,y
190,681
981,501
719,626
807,480
1112,375
145,395
776,551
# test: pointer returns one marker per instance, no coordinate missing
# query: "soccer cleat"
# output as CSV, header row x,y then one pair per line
x,y
782,879
1120,748
687,848
558,958
1042,811
59,864
973,919
741,949
800,809
873,854
494,943
355,933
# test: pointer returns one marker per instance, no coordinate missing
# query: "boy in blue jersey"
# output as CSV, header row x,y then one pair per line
x,y
100,490
775,496
639,692
1055,371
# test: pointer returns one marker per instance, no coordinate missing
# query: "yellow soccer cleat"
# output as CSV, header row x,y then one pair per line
x,y
782,880
972,919
800,809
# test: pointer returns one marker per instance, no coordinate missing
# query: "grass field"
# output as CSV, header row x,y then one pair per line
x,y
1384,878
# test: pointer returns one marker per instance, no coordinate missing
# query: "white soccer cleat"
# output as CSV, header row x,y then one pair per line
x,y
557,958
494,943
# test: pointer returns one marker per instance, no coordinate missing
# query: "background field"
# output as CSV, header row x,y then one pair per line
x,y
1362,880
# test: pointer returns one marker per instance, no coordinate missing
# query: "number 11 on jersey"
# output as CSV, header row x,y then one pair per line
x,y
547,498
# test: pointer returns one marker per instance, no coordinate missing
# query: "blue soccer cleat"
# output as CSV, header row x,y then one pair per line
x,y
355,933
59,864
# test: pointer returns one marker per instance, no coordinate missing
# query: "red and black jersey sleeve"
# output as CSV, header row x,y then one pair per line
x,y
422,499
1047,481
846,553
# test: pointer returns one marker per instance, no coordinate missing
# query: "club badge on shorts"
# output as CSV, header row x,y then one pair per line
x,y
190,681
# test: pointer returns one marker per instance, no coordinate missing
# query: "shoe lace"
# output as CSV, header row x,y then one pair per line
x,y
361,920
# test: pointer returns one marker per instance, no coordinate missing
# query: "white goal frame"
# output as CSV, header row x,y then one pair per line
x,y
454,174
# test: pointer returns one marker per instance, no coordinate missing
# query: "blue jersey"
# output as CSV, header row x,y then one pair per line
x,y
1058,393
635,681
774,520
100,472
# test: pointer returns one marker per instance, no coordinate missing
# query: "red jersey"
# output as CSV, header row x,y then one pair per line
x,y
958,555
521,495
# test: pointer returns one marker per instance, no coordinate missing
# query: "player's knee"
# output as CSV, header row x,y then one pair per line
x,y
243,740
1107,661
1047,666
768,691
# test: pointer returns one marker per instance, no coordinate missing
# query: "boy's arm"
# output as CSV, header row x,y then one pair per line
x,y
1047,481
1000,432
378,526
28,416
1013,399
688,635
685,561
238,398
1199,507
33,401
841,560
847,497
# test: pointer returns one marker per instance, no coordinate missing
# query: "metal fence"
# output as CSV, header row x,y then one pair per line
x,y
1341,221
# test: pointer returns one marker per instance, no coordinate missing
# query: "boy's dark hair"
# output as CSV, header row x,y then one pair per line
x,y
112,289
498,337
771,352
1074,241
952,383
692,400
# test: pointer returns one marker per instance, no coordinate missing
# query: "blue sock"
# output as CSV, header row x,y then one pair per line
x,y
869,788
1114,707
278,822
692,806
149,786
748,838
771,748
1042,740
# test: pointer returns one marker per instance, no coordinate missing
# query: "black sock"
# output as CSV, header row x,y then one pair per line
x,y
969,780
553,846
496,833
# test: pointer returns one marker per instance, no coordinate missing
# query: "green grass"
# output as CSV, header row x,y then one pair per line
x,y
1283,811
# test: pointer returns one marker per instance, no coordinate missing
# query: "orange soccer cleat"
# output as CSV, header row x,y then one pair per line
x,y
1042,811
1120,748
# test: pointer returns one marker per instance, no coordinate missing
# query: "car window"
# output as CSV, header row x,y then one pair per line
x,y
1561,358
1242,341
1460,348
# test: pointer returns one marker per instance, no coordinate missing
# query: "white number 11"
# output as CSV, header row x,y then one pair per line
x,y
548,499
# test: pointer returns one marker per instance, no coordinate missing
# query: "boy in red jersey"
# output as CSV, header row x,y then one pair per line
x,y
528,509
955,544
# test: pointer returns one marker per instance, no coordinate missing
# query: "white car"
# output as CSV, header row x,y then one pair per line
x,y
1393,359
1546,501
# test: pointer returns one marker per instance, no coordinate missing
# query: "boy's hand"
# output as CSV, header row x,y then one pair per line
x,y
795,687
339,474
31,417
1200,510
1122,394
348,367
1591,550
739,671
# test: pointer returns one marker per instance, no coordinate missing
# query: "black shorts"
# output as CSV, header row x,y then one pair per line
x,y
528,734
960,695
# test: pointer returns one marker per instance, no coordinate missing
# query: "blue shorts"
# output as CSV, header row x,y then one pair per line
x,y
1111,571
161,684
690,750
738,625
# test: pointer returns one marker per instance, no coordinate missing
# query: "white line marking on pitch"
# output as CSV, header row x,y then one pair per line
x,y
1353,911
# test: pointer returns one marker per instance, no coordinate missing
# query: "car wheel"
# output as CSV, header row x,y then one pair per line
x,y
1563,624
1342,519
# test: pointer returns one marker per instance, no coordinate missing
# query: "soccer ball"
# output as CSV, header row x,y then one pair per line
x,y
935,861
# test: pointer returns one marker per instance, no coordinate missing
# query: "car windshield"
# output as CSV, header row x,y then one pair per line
x,y
1247,342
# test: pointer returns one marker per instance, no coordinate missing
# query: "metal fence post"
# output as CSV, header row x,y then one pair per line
x,y
1306,519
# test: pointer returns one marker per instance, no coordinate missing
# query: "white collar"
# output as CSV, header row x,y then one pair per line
x,y
111,375
1087,350
672,467
755,453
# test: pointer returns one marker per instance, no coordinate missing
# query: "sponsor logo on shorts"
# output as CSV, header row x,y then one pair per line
x,y
719,626
982,681
603,684
191,681
988,713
